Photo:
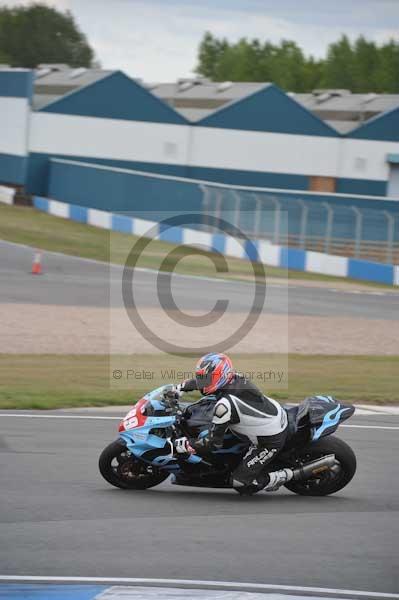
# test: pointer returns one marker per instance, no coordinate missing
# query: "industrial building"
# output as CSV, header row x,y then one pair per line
x,y
248,134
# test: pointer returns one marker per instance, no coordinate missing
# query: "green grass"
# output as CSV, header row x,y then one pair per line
x,y
54,381
28,226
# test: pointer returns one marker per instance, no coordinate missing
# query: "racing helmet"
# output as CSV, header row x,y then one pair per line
x,y
213,371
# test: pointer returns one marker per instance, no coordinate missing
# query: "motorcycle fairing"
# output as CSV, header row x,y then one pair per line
x,y
331,421
138,428
323,414
137,431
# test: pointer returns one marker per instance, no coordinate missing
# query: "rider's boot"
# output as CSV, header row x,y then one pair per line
x,y
277,479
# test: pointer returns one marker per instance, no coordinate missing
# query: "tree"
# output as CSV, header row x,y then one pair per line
x,y
365,66
210,51
288,67
388,69
360,66
34,34
4,58
338,69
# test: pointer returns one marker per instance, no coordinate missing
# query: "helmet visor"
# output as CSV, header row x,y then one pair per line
x,y
204,379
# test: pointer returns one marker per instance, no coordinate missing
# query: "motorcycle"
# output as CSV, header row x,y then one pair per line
x,y
144,456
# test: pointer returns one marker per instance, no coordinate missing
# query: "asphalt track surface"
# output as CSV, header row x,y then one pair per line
x,y
77,282
58,517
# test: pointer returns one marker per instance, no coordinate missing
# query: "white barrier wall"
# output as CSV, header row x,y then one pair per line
x,y
266,252
6,195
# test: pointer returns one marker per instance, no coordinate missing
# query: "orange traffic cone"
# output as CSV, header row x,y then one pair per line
x,y
37,264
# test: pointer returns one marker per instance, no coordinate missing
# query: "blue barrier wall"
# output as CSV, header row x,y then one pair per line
x,y
127,191
120,191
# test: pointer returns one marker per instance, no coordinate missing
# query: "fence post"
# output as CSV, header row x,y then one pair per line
x,y
330,216
358,230
304,222
277,210
237,208
258,216
218,204
390,235
205,203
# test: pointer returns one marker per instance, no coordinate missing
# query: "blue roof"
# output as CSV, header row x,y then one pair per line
x,y
268,109
116,96
383,127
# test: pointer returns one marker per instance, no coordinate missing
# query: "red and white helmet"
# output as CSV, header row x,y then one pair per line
x,y
212,372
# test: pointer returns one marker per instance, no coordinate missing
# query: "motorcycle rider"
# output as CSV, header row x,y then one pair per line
x,y
247,412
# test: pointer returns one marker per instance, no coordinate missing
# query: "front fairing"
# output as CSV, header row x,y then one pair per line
x,y
149,427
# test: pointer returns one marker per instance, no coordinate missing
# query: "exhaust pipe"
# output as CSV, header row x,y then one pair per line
x,y
314,468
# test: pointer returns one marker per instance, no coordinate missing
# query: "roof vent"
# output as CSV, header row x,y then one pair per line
x,y
331,92
185,85
42,72
54,66
323,97
77,72
369,97
224,86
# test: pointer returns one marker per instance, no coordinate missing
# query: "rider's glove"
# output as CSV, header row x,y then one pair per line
x,y
183,446
188,385
171,392
179,389
202,445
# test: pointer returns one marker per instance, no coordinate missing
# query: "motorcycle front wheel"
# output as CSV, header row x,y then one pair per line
x,y
332,480
122,469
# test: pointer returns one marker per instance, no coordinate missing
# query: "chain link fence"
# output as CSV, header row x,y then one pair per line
x,y
310,223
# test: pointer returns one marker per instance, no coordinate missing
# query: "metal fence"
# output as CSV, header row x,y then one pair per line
x,y
310,222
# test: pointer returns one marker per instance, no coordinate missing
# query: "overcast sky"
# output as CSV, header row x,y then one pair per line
x,y
157,40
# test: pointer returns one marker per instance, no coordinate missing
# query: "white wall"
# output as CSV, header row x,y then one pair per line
x,y
365,159
207,147
108,138
14,117
259,151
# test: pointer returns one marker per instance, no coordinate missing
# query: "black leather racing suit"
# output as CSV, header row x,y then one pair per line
x,y
247,412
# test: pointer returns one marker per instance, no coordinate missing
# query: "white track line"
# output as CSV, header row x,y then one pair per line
x,y
34,416
368,427
102,418
194,583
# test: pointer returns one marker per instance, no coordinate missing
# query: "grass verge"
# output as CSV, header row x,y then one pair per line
x,y
24,225
55,381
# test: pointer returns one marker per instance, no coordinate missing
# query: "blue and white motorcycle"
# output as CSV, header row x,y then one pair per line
x,y
143,456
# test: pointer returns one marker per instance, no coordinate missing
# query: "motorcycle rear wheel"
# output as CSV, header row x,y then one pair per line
x,y
123,470
332,480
